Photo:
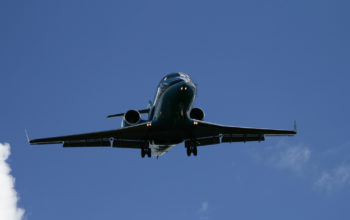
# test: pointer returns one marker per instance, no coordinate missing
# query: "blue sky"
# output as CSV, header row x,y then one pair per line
x,y
65,65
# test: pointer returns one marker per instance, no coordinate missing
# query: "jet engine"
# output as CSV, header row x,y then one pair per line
x,y
197,113
131,117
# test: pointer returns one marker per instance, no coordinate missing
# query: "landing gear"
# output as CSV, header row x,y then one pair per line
x,y
146,151
191,149
194,151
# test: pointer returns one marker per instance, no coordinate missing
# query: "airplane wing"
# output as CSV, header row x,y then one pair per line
x,y
207,133
211,129
137,136
130,137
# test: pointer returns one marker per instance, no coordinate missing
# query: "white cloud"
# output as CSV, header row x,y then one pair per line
x,y
8,194
204,207
203,211
335,179
297,158
292,158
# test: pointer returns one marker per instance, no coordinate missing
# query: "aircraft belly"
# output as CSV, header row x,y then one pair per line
x,y
159,150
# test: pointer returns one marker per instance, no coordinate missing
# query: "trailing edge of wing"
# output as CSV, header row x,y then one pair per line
x,y
206,129
139,131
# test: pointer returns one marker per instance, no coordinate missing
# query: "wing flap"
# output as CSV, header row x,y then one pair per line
x,y
236,134
130,143
139,131
88,143
203,141
242,138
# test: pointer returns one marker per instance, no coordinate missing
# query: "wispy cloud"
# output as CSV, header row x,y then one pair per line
x,y
290,157
294,158
297,158
203,211
8,195
335,179
204,207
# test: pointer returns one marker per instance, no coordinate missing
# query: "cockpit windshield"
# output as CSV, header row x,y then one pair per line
x,y
173,75
170,80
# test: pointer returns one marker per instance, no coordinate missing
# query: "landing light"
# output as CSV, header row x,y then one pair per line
x,y
195,122
149,124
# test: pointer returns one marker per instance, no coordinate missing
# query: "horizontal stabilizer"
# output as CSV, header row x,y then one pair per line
x,y
142,111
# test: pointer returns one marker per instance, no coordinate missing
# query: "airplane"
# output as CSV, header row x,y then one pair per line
x,y
172,119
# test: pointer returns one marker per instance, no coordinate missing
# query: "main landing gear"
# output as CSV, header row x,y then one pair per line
x,y
146,151
191,148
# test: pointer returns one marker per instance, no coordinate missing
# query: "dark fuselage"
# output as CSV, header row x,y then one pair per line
x,y
170,111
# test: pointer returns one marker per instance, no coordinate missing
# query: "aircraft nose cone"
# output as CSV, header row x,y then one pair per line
x,y
186,88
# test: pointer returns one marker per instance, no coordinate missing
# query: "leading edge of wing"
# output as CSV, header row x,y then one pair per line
x,y
132,132
211,129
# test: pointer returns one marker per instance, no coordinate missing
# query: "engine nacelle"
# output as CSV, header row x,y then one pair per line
x,y
197,113
131,117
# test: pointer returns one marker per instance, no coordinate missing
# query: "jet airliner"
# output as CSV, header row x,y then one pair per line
x,y
171,120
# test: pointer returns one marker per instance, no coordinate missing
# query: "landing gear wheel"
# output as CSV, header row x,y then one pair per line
x,y
189,151
146,151
194,151
191,147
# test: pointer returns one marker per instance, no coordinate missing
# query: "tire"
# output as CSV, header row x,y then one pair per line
x,y
189,151
143,153
194,150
